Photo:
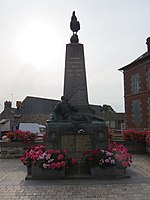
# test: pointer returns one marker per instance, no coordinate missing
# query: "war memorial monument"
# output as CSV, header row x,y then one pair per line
x,y
72,126
73,132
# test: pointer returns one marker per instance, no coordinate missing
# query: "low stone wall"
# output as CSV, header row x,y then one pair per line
x,y
148,148
134,147
14,149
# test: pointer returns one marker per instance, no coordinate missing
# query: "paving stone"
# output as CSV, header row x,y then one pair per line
x,y
13,185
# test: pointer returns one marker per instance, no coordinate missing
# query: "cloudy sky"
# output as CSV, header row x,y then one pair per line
x,y
33,38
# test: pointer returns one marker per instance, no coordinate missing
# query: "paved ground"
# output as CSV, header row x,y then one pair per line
x,y
14,186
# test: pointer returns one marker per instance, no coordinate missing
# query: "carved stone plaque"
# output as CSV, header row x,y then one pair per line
x,y
76,142
83,142
68,142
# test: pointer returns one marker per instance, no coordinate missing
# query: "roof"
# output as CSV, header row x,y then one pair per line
x,y
136,61
4,121
37,105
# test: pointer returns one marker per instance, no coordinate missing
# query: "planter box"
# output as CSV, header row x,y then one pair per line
x,y
109,172
148,149
135,147
35,173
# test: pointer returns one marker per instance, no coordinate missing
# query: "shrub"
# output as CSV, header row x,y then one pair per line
x,y
134,135
21,136
148,138
47,159
116,155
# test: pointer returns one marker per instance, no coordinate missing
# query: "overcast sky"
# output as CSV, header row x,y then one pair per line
x,y
33,38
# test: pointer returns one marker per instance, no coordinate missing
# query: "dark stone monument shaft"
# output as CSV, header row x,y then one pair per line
x,y
75,84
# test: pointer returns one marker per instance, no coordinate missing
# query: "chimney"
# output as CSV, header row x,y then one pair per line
x,y
7,105
148,45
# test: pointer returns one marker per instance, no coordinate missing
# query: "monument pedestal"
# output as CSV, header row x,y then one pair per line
x,y
76,138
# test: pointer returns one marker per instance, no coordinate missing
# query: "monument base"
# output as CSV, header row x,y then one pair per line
x,y
76,137
109,172
35,173
75,172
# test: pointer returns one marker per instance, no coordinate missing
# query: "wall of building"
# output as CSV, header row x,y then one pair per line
x,y
137,98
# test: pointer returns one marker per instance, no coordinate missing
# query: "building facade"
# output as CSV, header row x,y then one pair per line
x,y
137,91
38,110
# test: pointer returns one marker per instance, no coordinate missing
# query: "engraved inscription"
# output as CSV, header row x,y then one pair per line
x,y
68,142
78,143
83,142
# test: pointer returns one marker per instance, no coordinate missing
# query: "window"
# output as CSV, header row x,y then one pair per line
x,y
148,76
148,102
135,83
137,116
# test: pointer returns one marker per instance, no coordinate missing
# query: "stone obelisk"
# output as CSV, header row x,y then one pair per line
x,y
75,84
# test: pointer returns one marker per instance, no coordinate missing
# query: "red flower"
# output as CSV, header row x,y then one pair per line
x,y
90,158
57,151
53,165
51,151
60,157
65,152
74,161
63,163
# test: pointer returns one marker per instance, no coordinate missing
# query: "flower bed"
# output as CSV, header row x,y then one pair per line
x,y
148,143
14,149
21,136
148,138
136,140
135,135
116,157
46,160
41,163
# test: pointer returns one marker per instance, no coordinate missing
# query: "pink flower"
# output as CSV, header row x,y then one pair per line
x,y
51,160
106,161
60,157
58,164
57,151
39,152
51,151
63,163
74,161
109,153
34,157
102,160
65,152
48,156
112,161
41,157
45,166
118,157
53,165
23,159
125,164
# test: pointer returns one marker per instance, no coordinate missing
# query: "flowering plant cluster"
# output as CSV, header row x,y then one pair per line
x,y
116,155
134,135
99,157
148,138
122,157
47,159
21,136
110,135
30,156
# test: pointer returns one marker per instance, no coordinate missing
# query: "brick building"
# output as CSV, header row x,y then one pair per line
x,y
137,91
